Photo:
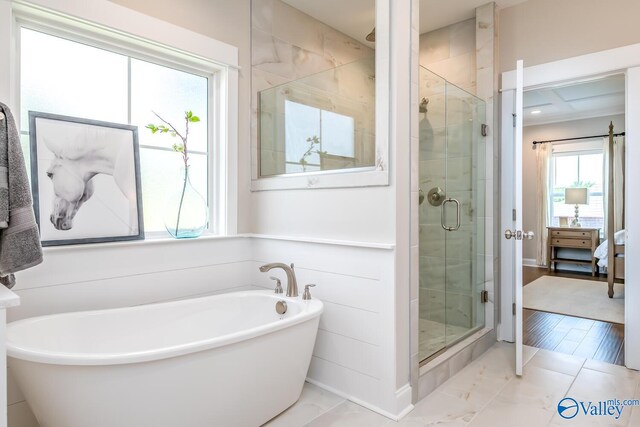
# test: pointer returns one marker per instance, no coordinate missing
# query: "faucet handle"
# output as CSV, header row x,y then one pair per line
x,y
278,284
306,295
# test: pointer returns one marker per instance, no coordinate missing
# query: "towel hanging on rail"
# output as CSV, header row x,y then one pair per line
x,y
19,238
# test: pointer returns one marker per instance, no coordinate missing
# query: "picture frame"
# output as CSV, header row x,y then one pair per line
x,y
85,178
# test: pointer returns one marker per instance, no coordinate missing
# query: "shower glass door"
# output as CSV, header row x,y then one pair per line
x,y
452,214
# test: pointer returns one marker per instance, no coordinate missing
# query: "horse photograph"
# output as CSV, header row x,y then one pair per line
x,y
85,179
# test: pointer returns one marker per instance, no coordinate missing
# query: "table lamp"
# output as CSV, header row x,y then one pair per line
x,y
576,196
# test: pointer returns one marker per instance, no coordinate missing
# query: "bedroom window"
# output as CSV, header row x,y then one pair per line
x,y
109,83
577,169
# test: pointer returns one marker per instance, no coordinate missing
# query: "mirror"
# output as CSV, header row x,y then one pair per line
x,y
313,86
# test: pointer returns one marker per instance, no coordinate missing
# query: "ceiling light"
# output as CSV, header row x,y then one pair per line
x,y
536,112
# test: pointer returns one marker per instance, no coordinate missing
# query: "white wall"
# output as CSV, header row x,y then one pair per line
x,y
632,210
355,337
541,31
569,129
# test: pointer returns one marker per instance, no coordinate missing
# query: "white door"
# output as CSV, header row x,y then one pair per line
x,y
511,249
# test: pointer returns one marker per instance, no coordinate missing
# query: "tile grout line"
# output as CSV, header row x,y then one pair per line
x,y
326,412
570,385
490,401
497,394
484,406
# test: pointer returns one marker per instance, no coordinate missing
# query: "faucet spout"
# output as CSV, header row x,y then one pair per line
x,y
292,284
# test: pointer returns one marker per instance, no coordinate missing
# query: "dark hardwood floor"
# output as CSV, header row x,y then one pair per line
x,y
587,338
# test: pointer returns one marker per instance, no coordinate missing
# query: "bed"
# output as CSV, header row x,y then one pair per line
x,y
611,256
615,270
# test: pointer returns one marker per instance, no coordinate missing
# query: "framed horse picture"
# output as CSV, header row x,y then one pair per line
x,y
85,176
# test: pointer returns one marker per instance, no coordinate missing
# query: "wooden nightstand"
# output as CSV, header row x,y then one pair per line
x,y
575,238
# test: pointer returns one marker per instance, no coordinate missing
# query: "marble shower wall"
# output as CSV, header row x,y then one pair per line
x,y
450,52
288,45
452,158
453,264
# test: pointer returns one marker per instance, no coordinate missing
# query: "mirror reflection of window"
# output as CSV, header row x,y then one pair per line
x,y
315,97
316,137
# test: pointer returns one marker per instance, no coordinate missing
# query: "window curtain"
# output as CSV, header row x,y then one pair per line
x,y
543,168
618,182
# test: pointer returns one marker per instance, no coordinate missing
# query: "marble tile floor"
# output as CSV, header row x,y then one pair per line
x,y
487,393
434,336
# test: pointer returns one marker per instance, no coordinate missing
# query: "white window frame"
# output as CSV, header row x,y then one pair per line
x,y
105,25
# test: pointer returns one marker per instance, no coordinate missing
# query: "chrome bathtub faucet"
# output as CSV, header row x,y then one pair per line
x,y
292,284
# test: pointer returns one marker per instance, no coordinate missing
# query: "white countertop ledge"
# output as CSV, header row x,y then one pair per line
x,y
371,245
8,298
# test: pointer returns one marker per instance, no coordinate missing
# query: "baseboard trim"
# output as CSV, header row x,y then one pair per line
x,y
531,262
402,395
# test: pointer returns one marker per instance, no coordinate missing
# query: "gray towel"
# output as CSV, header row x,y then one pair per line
x,y
19,238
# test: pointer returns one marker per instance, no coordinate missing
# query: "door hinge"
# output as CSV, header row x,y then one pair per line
x,y
513,214
514,119
484,297
513,308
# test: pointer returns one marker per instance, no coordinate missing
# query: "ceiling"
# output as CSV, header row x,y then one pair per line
x,y
356,17
581,100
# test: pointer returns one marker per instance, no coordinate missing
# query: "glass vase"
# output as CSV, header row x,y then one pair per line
x,y
186,212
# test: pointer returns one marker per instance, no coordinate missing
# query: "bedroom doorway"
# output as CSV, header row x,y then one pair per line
x,y
624,60
574,172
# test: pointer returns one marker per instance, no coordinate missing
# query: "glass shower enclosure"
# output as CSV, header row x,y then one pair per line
x,y
452,214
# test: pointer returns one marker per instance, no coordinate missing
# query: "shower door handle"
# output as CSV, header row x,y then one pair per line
x,y
442,215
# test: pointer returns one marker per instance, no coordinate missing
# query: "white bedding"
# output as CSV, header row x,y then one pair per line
x,y
602,252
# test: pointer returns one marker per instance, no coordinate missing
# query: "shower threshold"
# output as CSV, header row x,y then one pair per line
x,y
449,345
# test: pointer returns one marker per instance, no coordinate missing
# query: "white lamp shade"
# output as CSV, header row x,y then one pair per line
x,y
576,196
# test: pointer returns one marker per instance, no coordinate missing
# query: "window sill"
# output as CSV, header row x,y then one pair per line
x,y
168,241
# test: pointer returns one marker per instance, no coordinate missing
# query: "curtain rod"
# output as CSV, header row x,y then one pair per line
x,y
575,139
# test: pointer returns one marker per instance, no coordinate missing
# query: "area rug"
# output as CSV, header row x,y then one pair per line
x,y
575,297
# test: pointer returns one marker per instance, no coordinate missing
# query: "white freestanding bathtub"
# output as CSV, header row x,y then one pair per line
x,y
223,360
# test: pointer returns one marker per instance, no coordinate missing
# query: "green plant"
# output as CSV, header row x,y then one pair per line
x,y
314,144
180,147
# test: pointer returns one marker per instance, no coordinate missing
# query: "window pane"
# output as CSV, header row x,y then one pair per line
x,y
26,153
338,134
161,176
301,123
69,78
580,170
169,93
566,173
591,172
64,77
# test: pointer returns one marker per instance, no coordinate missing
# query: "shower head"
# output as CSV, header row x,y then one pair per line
x,y
371,37
423,105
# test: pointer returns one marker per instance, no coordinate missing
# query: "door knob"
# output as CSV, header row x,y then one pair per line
x,y
518,235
